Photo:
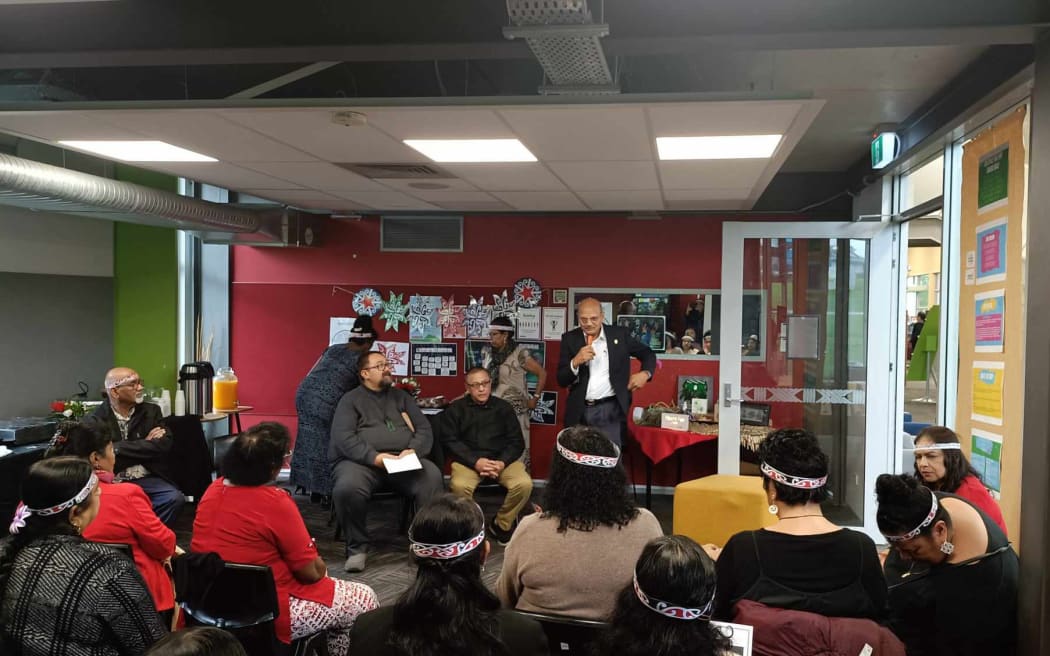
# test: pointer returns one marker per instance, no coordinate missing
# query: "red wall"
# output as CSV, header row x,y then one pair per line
x,y
281,299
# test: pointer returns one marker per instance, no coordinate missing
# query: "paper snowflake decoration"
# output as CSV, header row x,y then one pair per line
x,y
394,310
368,302
502,306
395,356
420,313
544,406
447,313
527,293
476,319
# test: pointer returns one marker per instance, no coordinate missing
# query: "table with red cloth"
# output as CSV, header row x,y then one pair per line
x,y
659,443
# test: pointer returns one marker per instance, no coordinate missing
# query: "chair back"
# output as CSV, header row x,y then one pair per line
x,y
119,547
567,635
241,600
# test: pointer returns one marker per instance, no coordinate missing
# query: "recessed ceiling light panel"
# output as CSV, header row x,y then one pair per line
x,y
743,146
472,150
139,151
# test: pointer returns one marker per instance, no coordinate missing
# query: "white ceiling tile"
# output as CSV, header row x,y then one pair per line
x,y
721,193
607,176
63,126
221,174
541,201
313,131
451,196
387,200
585,132
209,134
711,173
317,175
719,118
508,177
411,185
440,123
622,200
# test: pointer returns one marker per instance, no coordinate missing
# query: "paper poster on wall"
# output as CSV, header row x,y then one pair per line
x,y
476,318
546,410
971,259
648,329
988,320
970,277
528,323
423,319
396,353
986,456
434,360
991,251
553,323
538,351
339,329
476,353
450,316
993,180
987,394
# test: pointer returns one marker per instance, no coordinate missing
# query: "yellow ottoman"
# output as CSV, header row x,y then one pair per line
x,y
714,508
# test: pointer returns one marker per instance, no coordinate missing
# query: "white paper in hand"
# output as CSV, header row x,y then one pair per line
x,y
404,463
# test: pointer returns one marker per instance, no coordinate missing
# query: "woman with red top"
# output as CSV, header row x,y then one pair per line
x,y
125,514
942,466
245,519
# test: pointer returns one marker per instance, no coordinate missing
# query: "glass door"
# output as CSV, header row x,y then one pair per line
x,y
817,353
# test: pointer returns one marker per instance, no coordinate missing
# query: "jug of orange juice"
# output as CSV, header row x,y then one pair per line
x,y
224,390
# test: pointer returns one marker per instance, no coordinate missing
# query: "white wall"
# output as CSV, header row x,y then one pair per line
x,y
56,244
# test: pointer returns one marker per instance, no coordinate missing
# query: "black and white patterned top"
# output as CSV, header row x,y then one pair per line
x,y
68,596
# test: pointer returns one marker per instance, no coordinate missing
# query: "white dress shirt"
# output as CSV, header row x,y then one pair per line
x,y
598,385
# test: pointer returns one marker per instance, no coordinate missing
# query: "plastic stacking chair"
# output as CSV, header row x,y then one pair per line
x,y
243,601
567,635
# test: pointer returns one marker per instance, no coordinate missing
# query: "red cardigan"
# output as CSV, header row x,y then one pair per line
x,y
974,491
126,516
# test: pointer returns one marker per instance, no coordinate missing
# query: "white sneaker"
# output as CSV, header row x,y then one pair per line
x,y
356,562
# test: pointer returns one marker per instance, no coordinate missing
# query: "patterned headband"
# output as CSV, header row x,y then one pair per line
x,y
121,381
944,446
589,459
496,326
669,610
23,511
447,551
918,529
360,335
793,481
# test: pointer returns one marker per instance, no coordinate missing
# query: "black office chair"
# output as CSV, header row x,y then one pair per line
x,y
243,601
406,510
567,635
120,547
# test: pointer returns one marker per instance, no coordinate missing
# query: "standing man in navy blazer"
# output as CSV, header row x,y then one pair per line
x,y
595,365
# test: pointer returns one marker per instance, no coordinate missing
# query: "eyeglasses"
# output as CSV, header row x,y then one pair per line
x,y
385,365
479,385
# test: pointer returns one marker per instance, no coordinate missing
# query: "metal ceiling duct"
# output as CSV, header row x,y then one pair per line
x,y
36,185
566,41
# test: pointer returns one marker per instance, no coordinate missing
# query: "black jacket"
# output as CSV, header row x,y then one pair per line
x,y
522,636
137,450
470,431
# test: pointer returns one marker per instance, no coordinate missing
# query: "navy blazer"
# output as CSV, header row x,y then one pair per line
x,y
622,347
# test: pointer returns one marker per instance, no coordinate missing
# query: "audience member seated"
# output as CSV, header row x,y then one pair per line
x,y
244,518
483,436
60,594
448,609
952,572
198,641
576,556
665,610
752,346
688,345
141,443
124,515
803,562
943,467
375,422
707,345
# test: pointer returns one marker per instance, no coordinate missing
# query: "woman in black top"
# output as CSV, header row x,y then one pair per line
x,y
952,573
803,562
447,609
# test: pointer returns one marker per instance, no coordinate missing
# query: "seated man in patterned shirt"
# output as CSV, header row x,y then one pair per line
x,y
141,443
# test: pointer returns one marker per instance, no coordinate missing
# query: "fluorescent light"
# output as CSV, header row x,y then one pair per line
x,y
472,150
743,146
139,151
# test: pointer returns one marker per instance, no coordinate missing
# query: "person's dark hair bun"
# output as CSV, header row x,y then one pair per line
x,y
896,490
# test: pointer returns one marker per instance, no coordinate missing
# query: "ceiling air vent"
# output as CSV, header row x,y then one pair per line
x,y
397,171
421,233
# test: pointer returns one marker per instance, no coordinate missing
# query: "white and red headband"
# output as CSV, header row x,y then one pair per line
x,y
23,512
588,459
918,529
941,446
501,328
668,609
447,551
800,482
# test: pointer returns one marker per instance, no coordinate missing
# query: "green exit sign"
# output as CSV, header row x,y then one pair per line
x,y
884,149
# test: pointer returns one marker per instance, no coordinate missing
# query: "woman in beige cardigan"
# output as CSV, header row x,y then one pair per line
x,y
576,556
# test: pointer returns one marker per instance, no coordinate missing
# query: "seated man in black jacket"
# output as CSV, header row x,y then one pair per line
x,y
483,436
141,443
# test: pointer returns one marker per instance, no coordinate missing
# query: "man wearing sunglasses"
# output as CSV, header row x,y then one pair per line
x,y
375,422
141,442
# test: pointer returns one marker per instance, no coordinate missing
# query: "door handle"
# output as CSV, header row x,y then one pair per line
x,y
727,394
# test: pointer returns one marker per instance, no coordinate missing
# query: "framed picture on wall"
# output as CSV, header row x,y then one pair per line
x,y
648,329
560,296
754,414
